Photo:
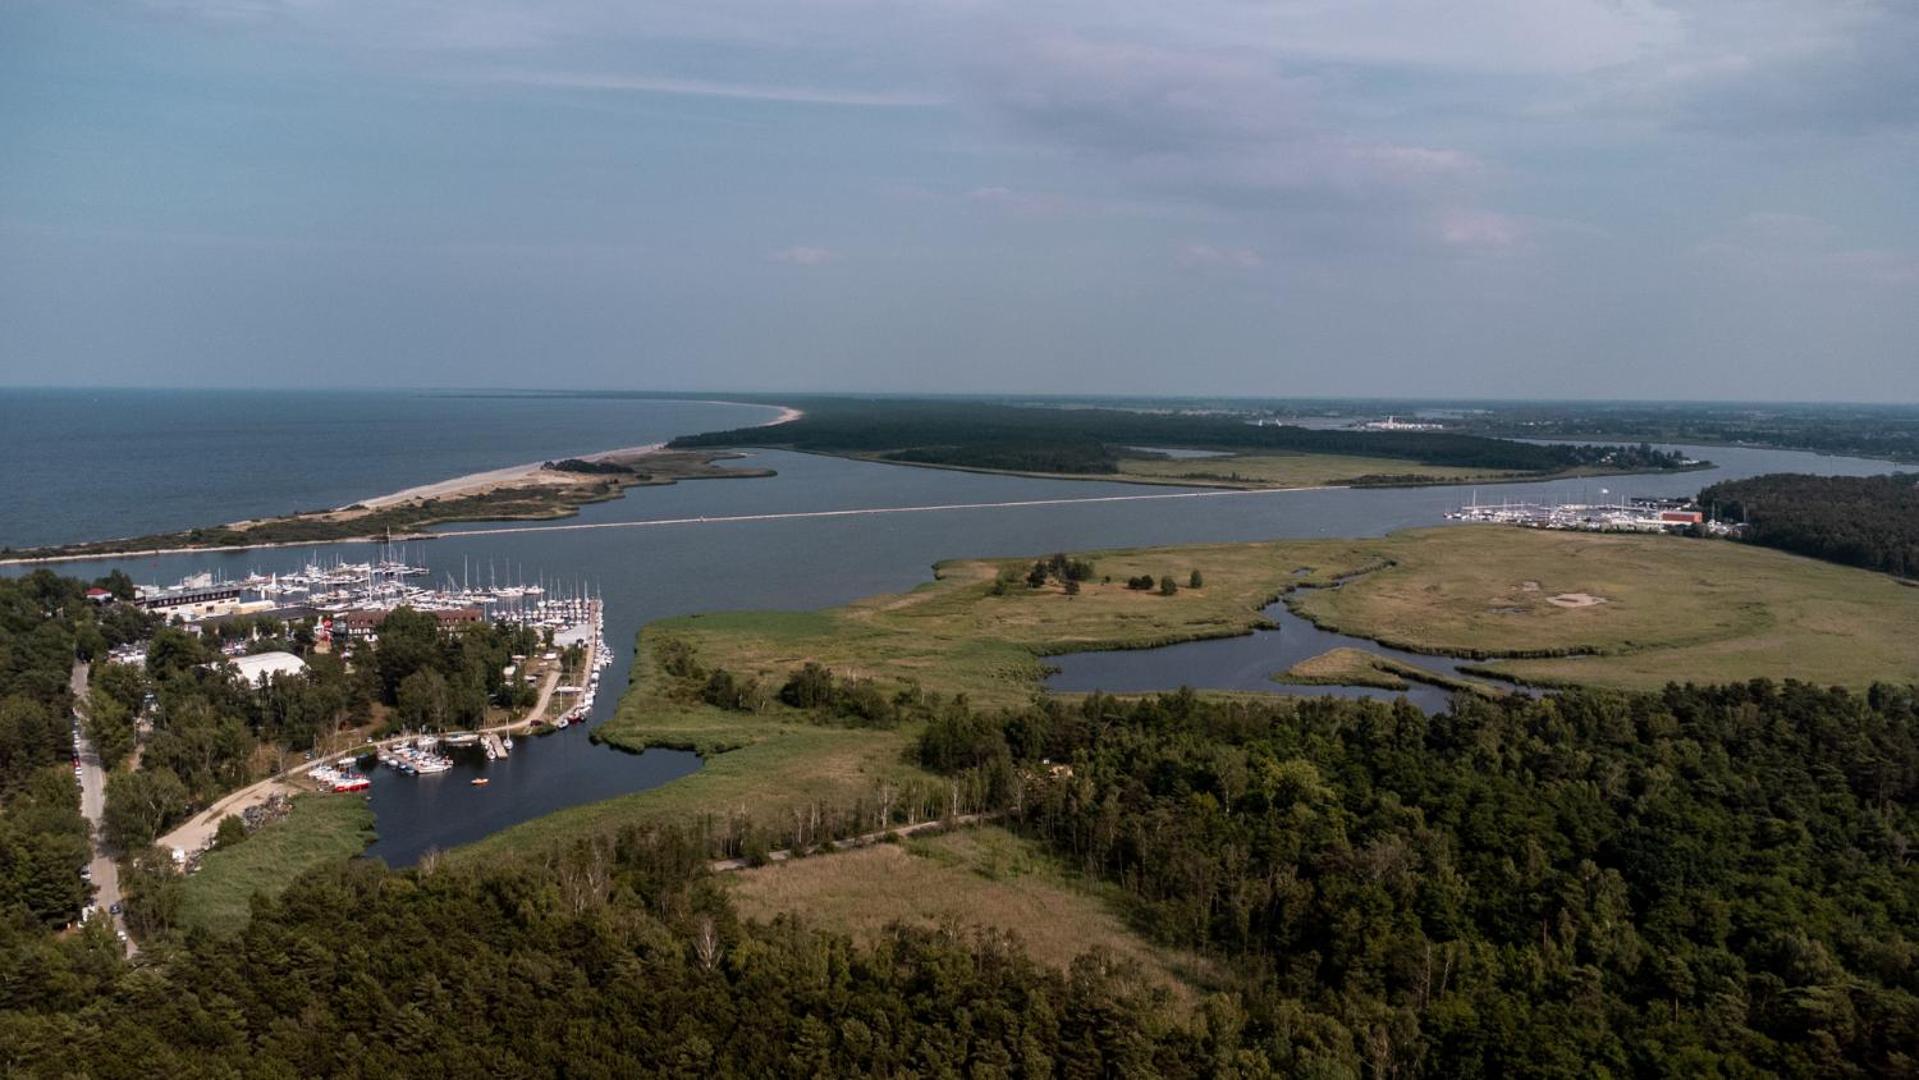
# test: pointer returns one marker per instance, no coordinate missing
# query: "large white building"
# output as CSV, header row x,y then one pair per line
x,y
260,668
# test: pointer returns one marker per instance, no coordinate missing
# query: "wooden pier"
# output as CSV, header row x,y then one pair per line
x,y
494,747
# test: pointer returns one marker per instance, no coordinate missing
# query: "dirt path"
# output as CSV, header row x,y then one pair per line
x,y
724,866
197,831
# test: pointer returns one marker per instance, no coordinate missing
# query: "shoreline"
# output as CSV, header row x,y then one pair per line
x,y
466,486
478,482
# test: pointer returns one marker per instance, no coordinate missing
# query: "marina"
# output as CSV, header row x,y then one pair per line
x,y
1642,514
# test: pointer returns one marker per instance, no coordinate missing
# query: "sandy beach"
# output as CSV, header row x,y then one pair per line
x,y
480,483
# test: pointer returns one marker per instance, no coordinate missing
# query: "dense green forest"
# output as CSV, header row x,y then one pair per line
x,y
1090,441
608,961
1712,881
1867,521
45,622
1878,431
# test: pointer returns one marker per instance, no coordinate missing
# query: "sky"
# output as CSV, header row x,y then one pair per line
x,y
1701,199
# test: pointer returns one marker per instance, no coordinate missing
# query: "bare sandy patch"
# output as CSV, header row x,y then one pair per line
x,y
1576,600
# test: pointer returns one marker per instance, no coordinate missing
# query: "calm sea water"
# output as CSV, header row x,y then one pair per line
x,y
90,464
650,572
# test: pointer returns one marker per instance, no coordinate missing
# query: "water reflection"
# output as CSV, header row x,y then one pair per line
x,y
1247,662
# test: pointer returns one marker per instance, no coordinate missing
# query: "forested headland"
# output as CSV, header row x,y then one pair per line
x,y
1877,431
1092,441
1865,521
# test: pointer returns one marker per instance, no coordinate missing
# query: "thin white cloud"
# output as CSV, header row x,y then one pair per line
x,y
648,84
802,255
1798,247
1207,256
1480,231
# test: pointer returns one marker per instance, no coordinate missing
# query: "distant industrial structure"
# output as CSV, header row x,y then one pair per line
x,y
1394,423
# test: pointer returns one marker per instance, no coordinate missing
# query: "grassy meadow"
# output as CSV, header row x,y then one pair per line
x,y
1303,470
972,878
319,829
1615,610
1626,611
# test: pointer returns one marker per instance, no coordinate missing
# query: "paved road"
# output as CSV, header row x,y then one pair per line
x,y
93,805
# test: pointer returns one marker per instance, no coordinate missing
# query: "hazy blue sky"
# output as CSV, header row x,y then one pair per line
x,y
1622,198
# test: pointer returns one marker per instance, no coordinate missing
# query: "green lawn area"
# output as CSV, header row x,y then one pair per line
x,y
320,829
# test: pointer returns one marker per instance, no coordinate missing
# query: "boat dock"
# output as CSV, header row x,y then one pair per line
x,y
494,747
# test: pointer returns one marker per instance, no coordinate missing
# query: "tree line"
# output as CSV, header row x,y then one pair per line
x,y
1707,881
46,623
1865,521
1091,441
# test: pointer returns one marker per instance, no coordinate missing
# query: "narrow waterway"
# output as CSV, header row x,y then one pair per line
x,y
1247,662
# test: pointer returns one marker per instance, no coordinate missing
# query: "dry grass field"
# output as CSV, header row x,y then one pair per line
x,y
1673,609
974,878
1300,470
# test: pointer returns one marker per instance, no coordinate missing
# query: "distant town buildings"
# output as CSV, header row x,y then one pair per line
x,y
362,623
192,600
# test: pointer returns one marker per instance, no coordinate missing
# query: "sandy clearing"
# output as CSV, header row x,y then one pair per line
x,y
1576,600
198,830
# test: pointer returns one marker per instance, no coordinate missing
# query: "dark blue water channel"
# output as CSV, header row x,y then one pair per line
x,y
1246,662
651,572
543,773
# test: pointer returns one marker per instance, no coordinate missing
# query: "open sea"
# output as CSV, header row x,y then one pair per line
x,y
92,464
